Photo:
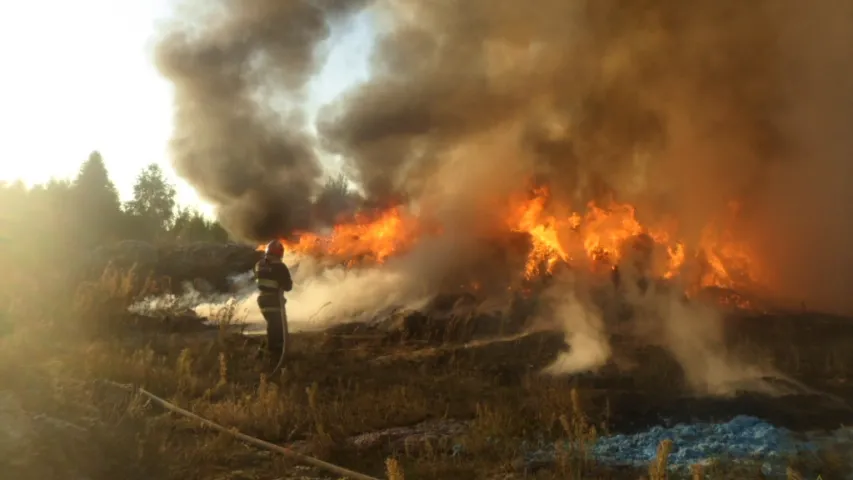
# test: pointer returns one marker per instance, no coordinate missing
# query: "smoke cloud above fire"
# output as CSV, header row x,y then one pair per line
x,y
656,146
679,109
241,138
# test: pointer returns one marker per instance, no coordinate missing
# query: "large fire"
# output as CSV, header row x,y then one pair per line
x,y
597,238
365,239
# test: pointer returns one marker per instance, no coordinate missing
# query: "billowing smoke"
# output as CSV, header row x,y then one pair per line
x,y
679,108
239,72
583,323
586,91
676,107
691,332
321,296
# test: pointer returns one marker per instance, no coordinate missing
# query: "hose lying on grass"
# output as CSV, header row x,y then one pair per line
x,y
243,437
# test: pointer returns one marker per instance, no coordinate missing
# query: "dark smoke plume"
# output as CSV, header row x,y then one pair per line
x,y
587,88
239,71
678,107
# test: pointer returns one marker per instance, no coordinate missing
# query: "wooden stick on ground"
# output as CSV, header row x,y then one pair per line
x,y
246,438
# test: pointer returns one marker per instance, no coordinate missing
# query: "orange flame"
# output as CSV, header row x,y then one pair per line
x,y
546,248
602,233
599,236
370,239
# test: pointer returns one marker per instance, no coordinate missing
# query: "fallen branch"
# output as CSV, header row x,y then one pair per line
x,y
242,436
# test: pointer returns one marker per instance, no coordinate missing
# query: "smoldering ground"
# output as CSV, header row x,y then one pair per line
x,y
678,108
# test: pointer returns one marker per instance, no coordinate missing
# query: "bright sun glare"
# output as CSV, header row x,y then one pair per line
x,y
81,79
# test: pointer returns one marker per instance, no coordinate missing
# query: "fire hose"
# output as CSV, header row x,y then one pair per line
x,y
285,334
285,337
242,436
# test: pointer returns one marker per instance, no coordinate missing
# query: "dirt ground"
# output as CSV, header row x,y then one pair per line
x,y
387,405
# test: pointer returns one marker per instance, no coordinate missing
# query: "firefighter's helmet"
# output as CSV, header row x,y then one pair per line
x,y
275,249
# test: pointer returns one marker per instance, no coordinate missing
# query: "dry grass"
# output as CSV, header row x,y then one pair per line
x,y
490,400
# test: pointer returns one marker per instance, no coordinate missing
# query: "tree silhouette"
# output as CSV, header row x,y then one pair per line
x,y
191,226
62,219
153,204
97,210
336,198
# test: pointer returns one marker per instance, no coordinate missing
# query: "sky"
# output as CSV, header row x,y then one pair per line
x,y
78,77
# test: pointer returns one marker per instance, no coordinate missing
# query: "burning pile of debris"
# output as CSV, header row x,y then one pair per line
x,y
637,144
504,286
589,161
605,243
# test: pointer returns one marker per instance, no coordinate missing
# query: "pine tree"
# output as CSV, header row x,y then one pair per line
x,y
97,210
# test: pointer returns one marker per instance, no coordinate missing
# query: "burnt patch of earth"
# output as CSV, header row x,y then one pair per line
x,y
813,385
813,388
449,405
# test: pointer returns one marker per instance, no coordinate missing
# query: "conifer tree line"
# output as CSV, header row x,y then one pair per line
x,y
86,211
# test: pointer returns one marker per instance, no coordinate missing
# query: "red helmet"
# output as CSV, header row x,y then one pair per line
x,y
275,249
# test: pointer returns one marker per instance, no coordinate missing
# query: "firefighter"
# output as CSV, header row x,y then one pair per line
x,y
273,278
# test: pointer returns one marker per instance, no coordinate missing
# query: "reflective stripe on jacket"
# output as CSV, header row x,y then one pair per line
x,y
273,277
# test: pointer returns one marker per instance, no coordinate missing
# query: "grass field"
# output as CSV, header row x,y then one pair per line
x,y
373,402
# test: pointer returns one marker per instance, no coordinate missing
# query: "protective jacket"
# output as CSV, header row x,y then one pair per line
x,y
273,279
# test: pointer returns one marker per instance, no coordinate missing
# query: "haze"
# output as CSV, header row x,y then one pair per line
x,y
81,79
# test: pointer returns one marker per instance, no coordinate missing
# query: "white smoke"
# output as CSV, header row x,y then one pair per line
x,y
322,295
586,310
241,286
583,325
692,332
